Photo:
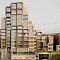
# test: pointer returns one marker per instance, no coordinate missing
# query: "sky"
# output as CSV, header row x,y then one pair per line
x,y
44,14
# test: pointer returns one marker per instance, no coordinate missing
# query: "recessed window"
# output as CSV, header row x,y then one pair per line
x,y
2,30
13,27
19,11
13,11
8,14
19,34
25,27
19,31
19,17
25,31
8,9
30,27
13,17
25,23
19,27
8,19
19,5
13,6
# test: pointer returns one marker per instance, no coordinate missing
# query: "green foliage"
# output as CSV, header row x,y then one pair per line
x,y
55,57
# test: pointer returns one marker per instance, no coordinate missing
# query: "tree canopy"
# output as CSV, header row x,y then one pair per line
x,y
55,57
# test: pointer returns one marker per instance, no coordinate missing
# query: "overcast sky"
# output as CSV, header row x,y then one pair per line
x,y
45,14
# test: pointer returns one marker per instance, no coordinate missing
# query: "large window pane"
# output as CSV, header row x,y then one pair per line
x,y
19,5
13,11
13,6
7,9
19,11
8,14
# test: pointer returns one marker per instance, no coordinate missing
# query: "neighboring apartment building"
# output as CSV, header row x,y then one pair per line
x,y
57,42
48,40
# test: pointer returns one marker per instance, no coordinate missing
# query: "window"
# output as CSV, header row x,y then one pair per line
x,y
19,17
31,37
19,11
31,30
8,14
25,27
30,27
50,47
51,40
25,34
3,33
8,19
8,29
19,31
8,22
3,27
13,11
25,38
31,34
25,31
25,16
13,6
19,23
19,38
39,37
8,34
19,5
25,42
19,34
25,23
50,44
3,37
13,19
8,9
31,45
30,41
13,45
13,34
13,27
13,38
2,30
38,34
19,27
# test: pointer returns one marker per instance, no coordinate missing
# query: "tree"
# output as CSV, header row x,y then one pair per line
x,y
55,57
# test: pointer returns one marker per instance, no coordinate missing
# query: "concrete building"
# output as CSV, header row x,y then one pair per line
x,y
48,41
17,33
19,40
57,42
